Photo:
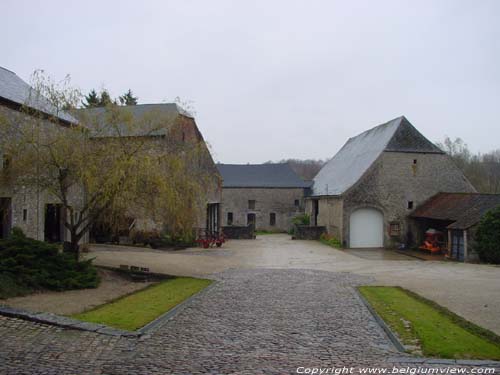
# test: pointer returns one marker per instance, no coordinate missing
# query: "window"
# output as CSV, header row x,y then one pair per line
x,y
183,137
297,203
6,162
251,204
25,214
229,218
410,205
394,229
272,219
414,168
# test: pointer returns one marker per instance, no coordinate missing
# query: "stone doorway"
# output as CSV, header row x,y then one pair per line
x,y
5,217
54,224
251,220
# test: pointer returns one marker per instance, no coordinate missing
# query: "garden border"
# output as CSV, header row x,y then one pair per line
x,y
391,335
419,359
70,323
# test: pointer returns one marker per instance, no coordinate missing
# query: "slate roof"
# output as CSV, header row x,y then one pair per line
x,y
147,119
15,90
360,152
260,176
463,209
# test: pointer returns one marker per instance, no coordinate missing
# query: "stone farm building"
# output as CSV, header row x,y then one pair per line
x,y
164,127
38,213
266,196
366,192
30,208
456,216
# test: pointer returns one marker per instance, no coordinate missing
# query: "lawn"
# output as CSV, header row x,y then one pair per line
x,y
440,332
138,309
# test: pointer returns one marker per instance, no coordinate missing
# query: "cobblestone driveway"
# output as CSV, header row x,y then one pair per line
x,y
252,320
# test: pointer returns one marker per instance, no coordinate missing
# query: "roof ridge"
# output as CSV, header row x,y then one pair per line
x,y
252,164
10,71
380,125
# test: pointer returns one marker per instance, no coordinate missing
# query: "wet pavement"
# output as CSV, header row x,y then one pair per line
x,y
255,321
278,305
470,290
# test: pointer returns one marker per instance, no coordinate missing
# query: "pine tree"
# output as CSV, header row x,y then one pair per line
x,y
105,99
128,98
91,100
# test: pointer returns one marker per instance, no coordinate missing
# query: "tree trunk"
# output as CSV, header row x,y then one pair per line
x,y
72,245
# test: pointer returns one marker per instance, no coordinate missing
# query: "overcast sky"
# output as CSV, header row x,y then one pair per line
x,y
277,79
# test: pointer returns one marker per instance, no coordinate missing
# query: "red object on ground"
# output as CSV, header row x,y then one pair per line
x,y
211,239
434,241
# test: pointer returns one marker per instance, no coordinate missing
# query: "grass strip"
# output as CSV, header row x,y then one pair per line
x,y
135,310
439,332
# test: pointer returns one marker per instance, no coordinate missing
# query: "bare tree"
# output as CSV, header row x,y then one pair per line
x,y
482,170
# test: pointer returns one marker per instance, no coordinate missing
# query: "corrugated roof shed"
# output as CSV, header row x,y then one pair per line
x,y
260,176
359,153
464,209
15,90
145,119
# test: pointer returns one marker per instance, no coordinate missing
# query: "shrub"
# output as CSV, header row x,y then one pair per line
x,y
487,238
27,265
154,239
330,240
302,219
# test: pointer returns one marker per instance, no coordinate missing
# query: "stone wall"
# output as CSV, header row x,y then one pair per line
x,y
280,201
394,180
239,232
306,232
389,185
184,139
29,202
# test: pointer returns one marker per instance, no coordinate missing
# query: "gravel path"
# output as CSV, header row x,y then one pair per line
x,y
70,302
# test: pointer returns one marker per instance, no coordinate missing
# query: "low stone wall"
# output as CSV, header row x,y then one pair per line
x,y
239,232
306,232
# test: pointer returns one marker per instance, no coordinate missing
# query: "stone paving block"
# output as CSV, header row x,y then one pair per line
x,y
254,321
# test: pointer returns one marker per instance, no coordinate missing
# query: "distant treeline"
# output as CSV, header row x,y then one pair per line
x,y
482,170
306,169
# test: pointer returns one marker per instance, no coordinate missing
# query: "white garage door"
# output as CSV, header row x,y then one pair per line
x,y
366,228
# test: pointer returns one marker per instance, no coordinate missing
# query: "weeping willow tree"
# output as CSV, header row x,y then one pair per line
x,y
117,163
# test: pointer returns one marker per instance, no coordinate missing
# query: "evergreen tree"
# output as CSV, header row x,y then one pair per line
x,y
105,99
91,100
128,98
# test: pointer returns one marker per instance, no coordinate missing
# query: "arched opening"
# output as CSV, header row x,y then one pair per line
x,y
366,228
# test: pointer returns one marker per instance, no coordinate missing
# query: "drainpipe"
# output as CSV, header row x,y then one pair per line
x,y
465,246
449,243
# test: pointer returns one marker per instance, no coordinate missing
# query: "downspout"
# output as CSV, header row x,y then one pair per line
x,y
465,246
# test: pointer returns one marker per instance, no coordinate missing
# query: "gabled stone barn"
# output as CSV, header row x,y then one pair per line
x,y
364,194
162,128
267,196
